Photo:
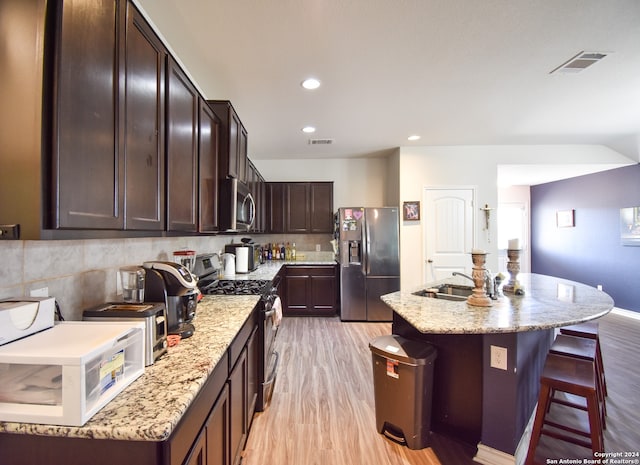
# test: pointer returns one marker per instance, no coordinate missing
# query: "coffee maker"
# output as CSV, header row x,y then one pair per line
x,y
174,285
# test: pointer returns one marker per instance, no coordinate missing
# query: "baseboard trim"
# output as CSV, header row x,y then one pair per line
x,y
627,313
490,456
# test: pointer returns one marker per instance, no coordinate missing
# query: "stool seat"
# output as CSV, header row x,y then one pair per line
x,y
589,330
573,376
584,349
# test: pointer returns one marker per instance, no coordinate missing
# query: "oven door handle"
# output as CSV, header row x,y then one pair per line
x,y
274,372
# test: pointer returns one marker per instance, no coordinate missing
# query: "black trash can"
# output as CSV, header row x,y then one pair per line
x,y
403,387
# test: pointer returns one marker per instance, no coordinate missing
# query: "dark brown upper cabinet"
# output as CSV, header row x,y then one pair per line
x,y
300,207
275,207
145,125
297,211
233,141
108,109
321,207
208,136
88,153
182,150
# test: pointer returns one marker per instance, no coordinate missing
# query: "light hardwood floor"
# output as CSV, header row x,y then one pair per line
x,y
322,411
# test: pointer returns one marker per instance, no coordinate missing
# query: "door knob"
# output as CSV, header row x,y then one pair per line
x,y
429,261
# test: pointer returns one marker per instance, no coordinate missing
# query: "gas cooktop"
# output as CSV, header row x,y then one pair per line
x,y
235,287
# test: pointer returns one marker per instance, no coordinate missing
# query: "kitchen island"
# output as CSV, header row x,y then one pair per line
x,y
137,426
475,400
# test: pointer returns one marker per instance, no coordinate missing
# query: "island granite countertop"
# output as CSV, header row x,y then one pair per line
x,y
151,407
548,302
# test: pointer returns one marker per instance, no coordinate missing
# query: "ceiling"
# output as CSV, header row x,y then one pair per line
x,y
455,72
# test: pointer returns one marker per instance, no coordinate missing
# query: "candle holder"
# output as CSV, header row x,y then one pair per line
x,y
479,297
513,267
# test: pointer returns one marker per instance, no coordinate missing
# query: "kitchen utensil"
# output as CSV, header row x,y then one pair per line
x,y
186,258
228,265
132,279
242,259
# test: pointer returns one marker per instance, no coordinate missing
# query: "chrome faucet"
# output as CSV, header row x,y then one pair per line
x,y
490,284
457,273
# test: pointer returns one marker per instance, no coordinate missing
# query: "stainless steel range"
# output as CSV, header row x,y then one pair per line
x,y
268,357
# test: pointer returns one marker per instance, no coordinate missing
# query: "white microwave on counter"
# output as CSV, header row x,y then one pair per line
x,y
237,206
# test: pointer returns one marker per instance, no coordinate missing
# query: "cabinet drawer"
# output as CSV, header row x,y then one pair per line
x,y
311,270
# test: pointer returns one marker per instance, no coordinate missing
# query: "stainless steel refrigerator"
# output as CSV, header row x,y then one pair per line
x,y
369,256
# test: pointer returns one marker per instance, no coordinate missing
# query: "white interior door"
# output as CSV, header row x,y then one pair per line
x,y
448,232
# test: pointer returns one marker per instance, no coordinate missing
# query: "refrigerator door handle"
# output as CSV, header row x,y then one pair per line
x,y
366,245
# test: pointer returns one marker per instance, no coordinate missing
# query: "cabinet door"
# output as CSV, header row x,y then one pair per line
x,y
323,294
182,150
321,207
242,158
198,454
208,161
87,167
297,290
234,131
252,376
276,193
238,401
144,75
297,211
217,431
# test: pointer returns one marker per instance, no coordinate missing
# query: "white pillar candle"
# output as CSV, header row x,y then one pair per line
x,y
514,244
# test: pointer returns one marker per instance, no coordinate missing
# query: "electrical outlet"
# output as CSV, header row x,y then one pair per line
x,y
9,231
318,248
499,357
599,287
41,292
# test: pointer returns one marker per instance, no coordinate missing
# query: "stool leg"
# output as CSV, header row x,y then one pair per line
x,y
595,427
603,380
543,403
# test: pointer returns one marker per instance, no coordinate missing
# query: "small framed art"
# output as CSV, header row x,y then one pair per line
x,y
411,211
565,218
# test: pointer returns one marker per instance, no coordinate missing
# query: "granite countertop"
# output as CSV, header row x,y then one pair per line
x,y
548,302
150,408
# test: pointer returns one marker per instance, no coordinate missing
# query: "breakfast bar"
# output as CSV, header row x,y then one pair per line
x,y
486,376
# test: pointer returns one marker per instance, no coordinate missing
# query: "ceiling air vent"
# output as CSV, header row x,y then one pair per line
x,y
579,62
320,141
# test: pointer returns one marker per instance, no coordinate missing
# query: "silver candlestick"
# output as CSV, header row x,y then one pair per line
x,y
479,297
513,267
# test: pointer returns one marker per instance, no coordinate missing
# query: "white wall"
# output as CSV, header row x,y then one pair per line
x,y
472,166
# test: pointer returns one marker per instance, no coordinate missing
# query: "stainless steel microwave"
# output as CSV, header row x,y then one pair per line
x,y
237,206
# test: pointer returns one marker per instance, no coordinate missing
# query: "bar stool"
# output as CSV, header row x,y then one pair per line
x,y
585,349
589,330
573,376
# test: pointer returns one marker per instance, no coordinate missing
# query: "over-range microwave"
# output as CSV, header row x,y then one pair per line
x,y
237,206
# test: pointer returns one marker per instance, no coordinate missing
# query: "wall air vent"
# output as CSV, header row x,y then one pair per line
x,y
320,141
579,62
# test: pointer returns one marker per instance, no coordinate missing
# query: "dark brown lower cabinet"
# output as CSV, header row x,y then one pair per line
x,y
217,431
238,382
311,290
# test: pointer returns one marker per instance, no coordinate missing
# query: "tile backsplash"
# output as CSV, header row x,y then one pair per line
x,y
83,273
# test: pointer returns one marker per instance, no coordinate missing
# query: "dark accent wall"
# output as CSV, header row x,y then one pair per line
x,y
591,251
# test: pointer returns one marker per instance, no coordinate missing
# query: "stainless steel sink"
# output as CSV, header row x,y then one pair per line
x,y
454,292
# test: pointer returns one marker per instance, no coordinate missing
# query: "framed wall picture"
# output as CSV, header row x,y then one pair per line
x,y
630,226
411,211
565,218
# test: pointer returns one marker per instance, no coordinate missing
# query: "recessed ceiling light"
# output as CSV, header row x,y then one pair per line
x,y
414,137
308,129
311,83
